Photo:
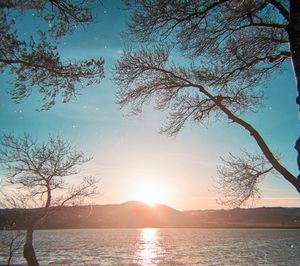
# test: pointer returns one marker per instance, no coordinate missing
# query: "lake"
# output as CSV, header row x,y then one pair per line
x,y
172,246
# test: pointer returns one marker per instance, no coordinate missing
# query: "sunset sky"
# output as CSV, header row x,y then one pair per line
x,y
129,155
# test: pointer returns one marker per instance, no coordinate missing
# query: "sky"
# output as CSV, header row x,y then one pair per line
x,y
131,159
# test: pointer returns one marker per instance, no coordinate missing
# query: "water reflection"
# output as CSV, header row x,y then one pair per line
x,y
149,251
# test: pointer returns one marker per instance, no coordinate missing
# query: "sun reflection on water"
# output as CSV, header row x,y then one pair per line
x,y
149,251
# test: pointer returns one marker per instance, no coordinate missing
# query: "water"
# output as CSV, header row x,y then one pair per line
x,y
164,247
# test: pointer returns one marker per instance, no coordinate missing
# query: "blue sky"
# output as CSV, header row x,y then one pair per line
x,y
128,152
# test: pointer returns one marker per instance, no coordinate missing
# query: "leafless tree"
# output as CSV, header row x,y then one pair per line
x,y
35,61
240,177
229,48
41,170
14,241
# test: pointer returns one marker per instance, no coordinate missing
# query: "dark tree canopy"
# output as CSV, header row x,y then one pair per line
x,y
229,48
237,42
35,61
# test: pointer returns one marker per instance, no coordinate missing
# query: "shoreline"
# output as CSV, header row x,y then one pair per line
x,y
167,227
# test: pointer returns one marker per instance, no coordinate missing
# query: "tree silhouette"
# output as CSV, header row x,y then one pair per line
x,y
231,47
35,61
40,171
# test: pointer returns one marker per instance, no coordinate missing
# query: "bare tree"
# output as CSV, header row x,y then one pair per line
x,y
229,48
41,171
240,177
12,239
15,241
35,61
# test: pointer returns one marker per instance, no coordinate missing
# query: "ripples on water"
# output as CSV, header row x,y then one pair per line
x,y
164,247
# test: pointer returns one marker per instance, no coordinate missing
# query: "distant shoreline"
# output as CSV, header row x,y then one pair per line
x,y
185,227
133,215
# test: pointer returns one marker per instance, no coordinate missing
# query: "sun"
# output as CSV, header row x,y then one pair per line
x,y
150,193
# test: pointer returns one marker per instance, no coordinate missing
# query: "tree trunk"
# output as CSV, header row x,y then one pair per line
x,y
258,138
293,30
28,251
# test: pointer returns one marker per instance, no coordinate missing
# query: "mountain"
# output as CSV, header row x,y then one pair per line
x,y
137,215
252,217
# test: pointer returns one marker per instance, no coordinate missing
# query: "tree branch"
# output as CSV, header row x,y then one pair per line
x,y
281,8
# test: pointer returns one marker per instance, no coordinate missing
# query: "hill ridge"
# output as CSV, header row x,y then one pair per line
x,y
138,215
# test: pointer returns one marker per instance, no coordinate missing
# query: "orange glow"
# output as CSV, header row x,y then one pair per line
x,y
149,248
151,193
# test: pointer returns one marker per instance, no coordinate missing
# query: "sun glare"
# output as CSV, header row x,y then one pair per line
x,y
151,194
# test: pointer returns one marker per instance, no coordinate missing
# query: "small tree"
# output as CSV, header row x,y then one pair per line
x,y
14,241
229,48
14,244
42,169
35,61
